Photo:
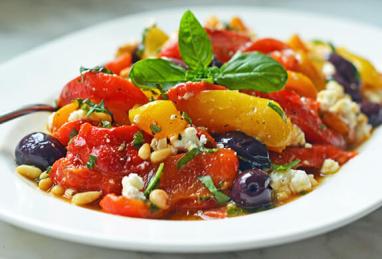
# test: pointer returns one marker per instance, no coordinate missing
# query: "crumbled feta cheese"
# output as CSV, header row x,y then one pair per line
x,y
132,186
203,139
308,145
329,166
290,182
188,141
297,137
374,96
333,99
328,69
219,145
77,115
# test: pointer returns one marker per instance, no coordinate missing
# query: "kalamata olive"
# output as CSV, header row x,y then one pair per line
x,y
251,152
39,149
346,75
373,111
216,63
251,189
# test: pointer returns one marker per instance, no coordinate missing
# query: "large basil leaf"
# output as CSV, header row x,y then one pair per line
x,y
194,45
154,72
252,71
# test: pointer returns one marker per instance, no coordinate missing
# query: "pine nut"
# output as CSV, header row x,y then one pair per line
x,y
144,151
57,190
160,155
160,199
68,194
100,116
162,143
84,198
45,184
29,171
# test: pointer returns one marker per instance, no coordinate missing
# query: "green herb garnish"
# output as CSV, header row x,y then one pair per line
x,y
138,139
287,166
277,109
192,154
91,162
154,180
73,133
96,69
252,71
186,117
48,169
91,107
220,197
155,128
233,210
106,124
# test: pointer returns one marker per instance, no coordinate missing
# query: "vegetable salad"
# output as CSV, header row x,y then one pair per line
x,y
211,122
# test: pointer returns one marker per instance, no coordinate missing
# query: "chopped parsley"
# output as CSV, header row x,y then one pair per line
x,y
91,162
277,109
192,154
138,139
154,180
220,197
155,128
91,107
186,117
286,167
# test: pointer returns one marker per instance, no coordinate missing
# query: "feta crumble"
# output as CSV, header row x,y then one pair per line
x,y
297,137
188,141
329,166
77,115
132,186
286,183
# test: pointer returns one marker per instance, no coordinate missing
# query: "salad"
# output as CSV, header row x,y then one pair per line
x,y
210,122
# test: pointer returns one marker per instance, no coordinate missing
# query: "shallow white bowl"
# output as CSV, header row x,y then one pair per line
x,y
37,76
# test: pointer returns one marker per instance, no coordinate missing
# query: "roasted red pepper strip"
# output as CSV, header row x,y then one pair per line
x,y
312,157
265,45
123,206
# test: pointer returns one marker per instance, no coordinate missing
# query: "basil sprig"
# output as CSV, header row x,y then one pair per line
x,y
252,71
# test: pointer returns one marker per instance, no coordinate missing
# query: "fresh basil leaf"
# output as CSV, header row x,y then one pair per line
x,y
154,180
287,166
156,72
138,139
277,109
252,71
192,154
220,197
194,45
91,162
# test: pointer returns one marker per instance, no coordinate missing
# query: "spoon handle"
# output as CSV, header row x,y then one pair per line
x,y
26,110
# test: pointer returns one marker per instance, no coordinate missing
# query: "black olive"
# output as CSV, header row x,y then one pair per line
x,y
39,149
373,111
251,152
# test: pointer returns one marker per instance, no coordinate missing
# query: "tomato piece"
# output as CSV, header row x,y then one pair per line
x,y
123,206
265,45
226,43
312,157
181,92
115,157
120,63
67,131
306,118
185,190
118,94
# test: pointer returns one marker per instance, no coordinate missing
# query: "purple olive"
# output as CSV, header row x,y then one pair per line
x,y
373,111
251,152
39,149
251,189
346,75
216,63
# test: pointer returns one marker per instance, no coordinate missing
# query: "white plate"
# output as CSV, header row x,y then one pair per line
x,y
38,76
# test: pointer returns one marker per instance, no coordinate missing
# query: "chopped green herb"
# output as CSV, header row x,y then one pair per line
x,y
220,197
91,162
154,180
186,117
322,126
277,109
192,154
91,107
138,139
73,133
48,169
155,128
96,69
106,124
233,210
287,166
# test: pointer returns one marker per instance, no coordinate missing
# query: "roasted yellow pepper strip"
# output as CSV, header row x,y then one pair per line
x,y
225,110
159,118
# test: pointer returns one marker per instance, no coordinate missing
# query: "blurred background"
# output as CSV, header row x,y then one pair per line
x,y
25,24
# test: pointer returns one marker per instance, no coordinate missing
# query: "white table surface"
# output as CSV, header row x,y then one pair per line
x,y
25,24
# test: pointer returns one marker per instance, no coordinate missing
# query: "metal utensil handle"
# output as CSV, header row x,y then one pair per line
x,y
26,110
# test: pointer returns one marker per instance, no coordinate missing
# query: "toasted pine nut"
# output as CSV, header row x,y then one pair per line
x,y
84,198
144,151
29,171
68,194
160,199
100,116
57,190
160,155
162,143
45,184
43,175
